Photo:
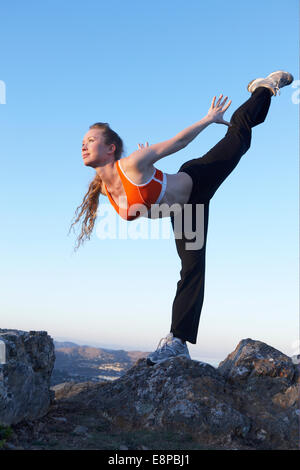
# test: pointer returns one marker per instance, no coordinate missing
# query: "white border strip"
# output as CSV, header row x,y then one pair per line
x,y
2,352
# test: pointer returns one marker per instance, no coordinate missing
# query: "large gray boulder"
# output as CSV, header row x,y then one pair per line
x,y
266,383
26,363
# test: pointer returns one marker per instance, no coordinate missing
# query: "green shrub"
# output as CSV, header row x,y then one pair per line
x,y
5,433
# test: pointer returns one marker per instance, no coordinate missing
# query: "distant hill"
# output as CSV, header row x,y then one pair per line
x,y
86,363
64,344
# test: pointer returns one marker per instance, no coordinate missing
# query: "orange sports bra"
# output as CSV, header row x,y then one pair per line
x,y
139,195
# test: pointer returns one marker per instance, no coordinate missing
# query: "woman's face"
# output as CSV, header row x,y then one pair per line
x,y
95,152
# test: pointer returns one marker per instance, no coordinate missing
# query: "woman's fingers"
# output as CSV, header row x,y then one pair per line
x,y
218,103
141,146
219,100
224,101
227,105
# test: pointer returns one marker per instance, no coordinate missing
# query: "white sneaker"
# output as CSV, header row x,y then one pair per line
x,y
167,348
274,81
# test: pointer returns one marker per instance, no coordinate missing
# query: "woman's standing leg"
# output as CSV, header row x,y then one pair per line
x,y
208,173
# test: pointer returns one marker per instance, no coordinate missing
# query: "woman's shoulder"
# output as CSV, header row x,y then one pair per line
x,y
136,171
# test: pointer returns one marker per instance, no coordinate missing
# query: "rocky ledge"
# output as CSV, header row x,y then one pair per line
x,y
249,402
251,399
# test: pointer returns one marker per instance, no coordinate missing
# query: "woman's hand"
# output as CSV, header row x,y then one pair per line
x,y
216,110
141,146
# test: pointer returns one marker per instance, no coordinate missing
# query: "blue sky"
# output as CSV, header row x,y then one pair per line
x,y
149,69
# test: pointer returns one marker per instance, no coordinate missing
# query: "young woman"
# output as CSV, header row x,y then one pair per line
x,y
134,183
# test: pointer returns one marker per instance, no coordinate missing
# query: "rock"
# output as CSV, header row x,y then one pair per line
x,y
60,419
9,446
69,389
266,382
25,375
250,400
256,359
80,430
179,394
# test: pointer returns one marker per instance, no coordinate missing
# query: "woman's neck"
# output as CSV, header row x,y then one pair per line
x,y
108,174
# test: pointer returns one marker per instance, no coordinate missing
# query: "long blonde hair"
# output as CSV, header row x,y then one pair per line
x,y
89,206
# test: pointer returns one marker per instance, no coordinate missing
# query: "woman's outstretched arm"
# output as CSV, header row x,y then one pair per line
x,y
148,155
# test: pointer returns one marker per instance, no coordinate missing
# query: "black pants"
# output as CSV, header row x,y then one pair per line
x,y
208,173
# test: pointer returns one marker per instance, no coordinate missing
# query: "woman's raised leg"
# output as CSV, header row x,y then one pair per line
x,y
208,173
